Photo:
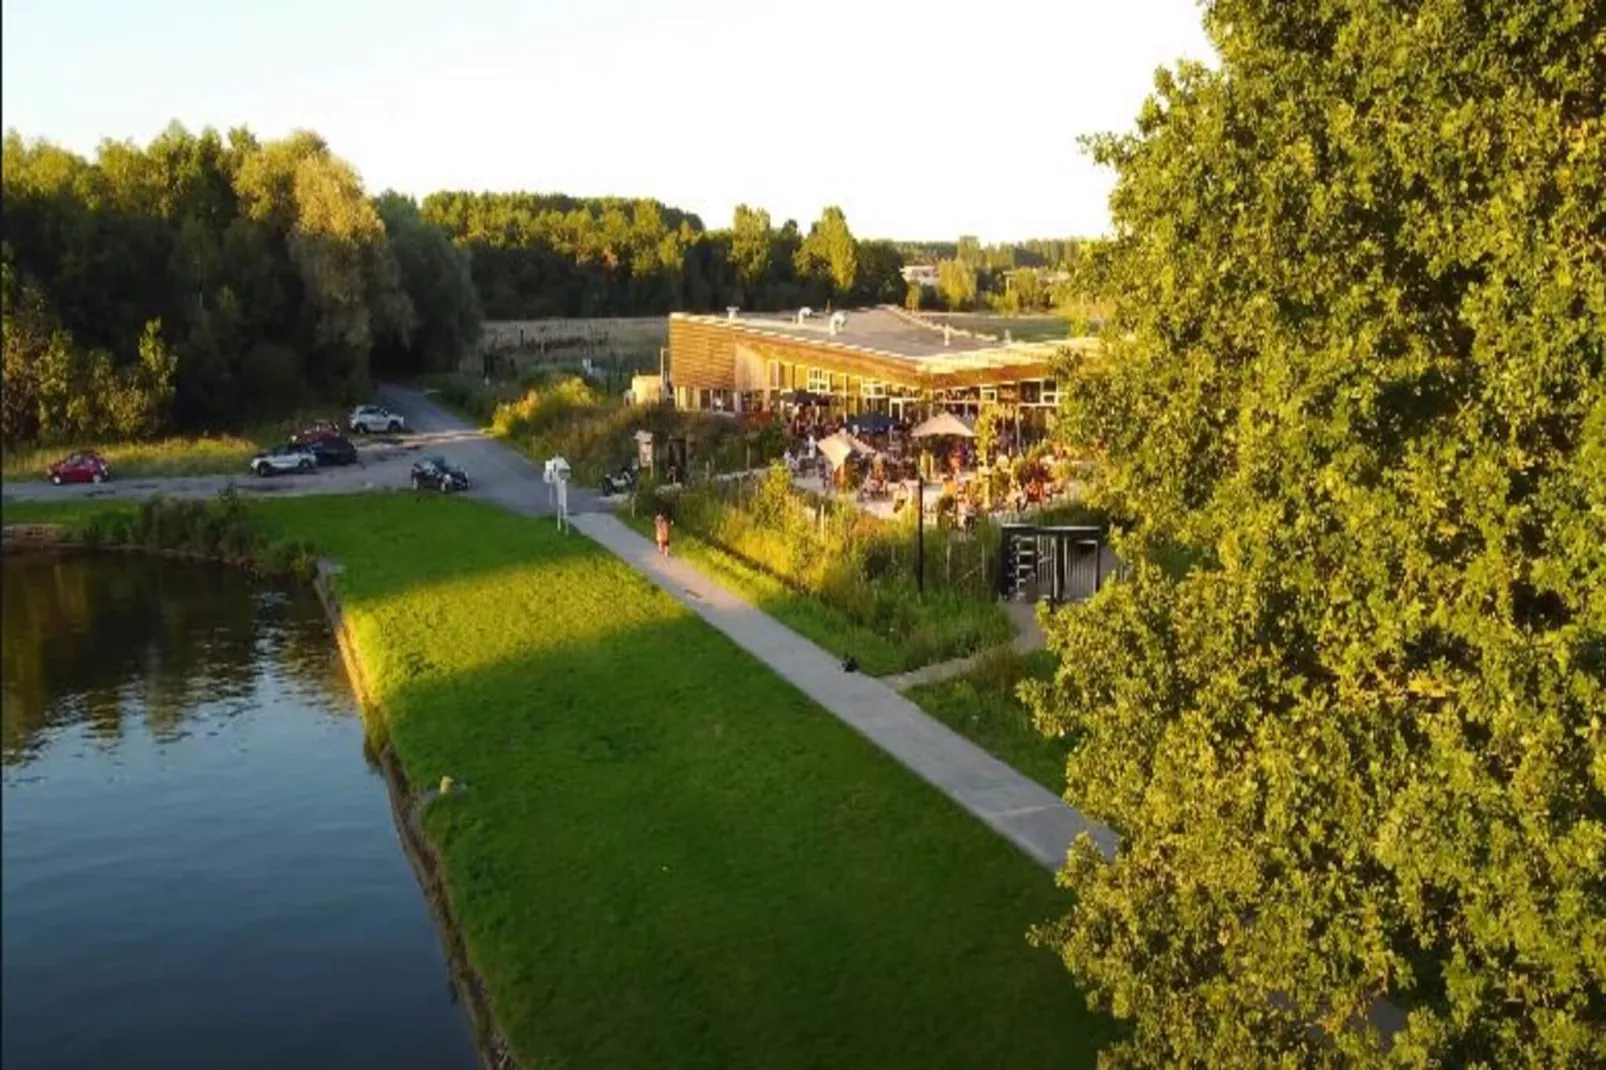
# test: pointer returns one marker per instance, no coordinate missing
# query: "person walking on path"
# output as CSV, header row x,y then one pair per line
x,y
661,525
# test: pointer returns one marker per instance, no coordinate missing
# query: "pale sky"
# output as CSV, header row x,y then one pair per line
x,y
922,120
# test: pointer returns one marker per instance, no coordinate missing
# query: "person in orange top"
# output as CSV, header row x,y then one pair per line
x,y
661,525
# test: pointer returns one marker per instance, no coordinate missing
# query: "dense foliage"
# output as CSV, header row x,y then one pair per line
x,y
538,255
1357,751
1041,275
200,279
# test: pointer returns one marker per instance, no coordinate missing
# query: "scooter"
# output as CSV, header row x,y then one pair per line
x,y
623,482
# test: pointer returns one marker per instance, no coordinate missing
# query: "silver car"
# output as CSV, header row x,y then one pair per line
x,y
370,418
286,458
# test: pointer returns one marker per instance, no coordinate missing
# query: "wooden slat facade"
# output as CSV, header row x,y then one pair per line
x,y
703,355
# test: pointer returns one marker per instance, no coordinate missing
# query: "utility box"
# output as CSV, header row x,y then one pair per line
x,y
644,450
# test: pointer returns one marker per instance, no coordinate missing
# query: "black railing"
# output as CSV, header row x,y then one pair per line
x,y
1052,564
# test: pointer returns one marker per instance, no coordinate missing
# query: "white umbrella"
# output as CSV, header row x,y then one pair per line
x,y
944,423
840,447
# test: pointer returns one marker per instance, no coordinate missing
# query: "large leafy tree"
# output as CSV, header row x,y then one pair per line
x,y
750,240
438,283
1348,709
829,256
197,280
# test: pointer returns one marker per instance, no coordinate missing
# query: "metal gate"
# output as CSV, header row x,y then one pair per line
x,y
1052,564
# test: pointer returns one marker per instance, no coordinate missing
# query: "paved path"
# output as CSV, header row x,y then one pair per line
x,y
1027,814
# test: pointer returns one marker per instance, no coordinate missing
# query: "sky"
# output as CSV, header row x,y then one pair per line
x,y
921,120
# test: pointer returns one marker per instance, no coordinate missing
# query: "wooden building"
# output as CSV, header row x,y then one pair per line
x,y
878,360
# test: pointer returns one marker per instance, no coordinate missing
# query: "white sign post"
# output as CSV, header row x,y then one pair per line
x,y
557,474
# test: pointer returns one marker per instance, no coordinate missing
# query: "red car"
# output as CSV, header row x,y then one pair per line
x,y
318,431
86,467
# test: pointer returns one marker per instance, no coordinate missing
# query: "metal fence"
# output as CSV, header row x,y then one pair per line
x,y
1052,564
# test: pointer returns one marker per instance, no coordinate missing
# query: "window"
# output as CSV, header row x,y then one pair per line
x,y
870,388
819,381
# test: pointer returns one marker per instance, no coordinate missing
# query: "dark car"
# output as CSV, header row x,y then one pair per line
x,y
435,473
317,431
336,450
86,466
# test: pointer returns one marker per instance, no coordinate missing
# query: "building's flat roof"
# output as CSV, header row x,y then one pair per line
x,y
887,333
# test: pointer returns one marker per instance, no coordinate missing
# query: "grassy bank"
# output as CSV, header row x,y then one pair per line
x,y
194,455
665,855
984,706
844,581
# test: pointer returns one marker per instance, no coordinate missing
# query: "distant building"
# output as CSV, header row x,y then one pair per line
x,y
921,275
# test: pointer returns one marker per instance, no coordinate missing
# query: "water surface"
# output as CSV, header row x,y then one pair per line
x,y
199,867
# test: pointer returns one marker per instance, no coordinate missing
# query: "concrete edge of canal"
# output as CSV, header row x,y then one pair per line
x,y
407,810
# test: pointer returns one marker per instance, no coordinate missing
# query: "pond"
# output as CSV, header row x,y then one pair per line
x,y
200,867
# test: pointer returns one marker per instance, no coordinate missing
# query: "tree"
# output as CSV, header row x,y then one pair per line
x,y
956,282
438,281
1346,708
829,256
880,274
750,247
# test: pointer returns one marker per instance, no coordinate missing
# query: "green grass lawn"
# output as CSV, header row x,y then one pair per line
x,y
946,620
198,455
665,855
983,706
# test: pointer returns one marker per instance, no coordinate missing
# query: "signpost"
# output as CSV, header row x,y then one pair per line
x,y
557,478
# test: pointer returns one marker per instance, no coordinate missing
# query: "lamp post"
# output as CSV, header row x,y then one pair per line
x,y
920,533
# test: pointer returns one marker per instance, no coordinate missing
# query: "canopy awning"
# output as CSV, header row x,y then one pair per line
x,y
943,424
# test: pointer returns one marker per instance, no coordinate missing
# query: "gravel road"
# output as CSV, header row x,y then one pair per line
x,y
496,472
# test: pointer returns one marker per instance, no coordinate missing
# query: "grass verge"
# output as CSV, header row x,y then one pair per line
x,y
984,706
947,624
662,853
198,455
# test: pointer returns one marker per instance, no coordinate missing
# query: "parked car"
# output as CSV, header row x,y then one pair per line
x,y
317,431
285,458
84,467
335,450
436,473
367,418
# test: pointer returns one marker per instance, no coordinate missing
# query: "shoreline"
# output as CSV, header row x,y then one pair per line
x,y
407,809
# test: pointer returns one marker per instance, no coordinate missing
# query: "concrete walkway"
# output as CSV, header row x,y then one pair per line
x,y
1027,814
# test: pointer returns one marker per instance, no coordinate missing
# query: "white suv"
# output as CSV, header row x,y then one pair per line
x,y
286,458
366,418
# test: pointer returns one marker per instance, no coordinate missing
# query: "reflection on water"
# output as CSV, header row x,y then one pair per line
x,y
198,867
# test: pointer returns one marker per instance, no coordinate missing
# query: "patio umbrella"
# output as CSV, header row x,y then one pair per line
x,y
839,447
871,422
944,423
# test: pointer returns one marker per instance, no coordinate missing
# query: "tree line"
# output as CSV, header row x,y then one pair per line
x,y
1069,275
538,255
201,279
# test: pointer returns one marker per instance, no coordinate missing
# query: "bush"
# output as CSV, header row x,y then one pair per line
x,y
857,565
223,528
